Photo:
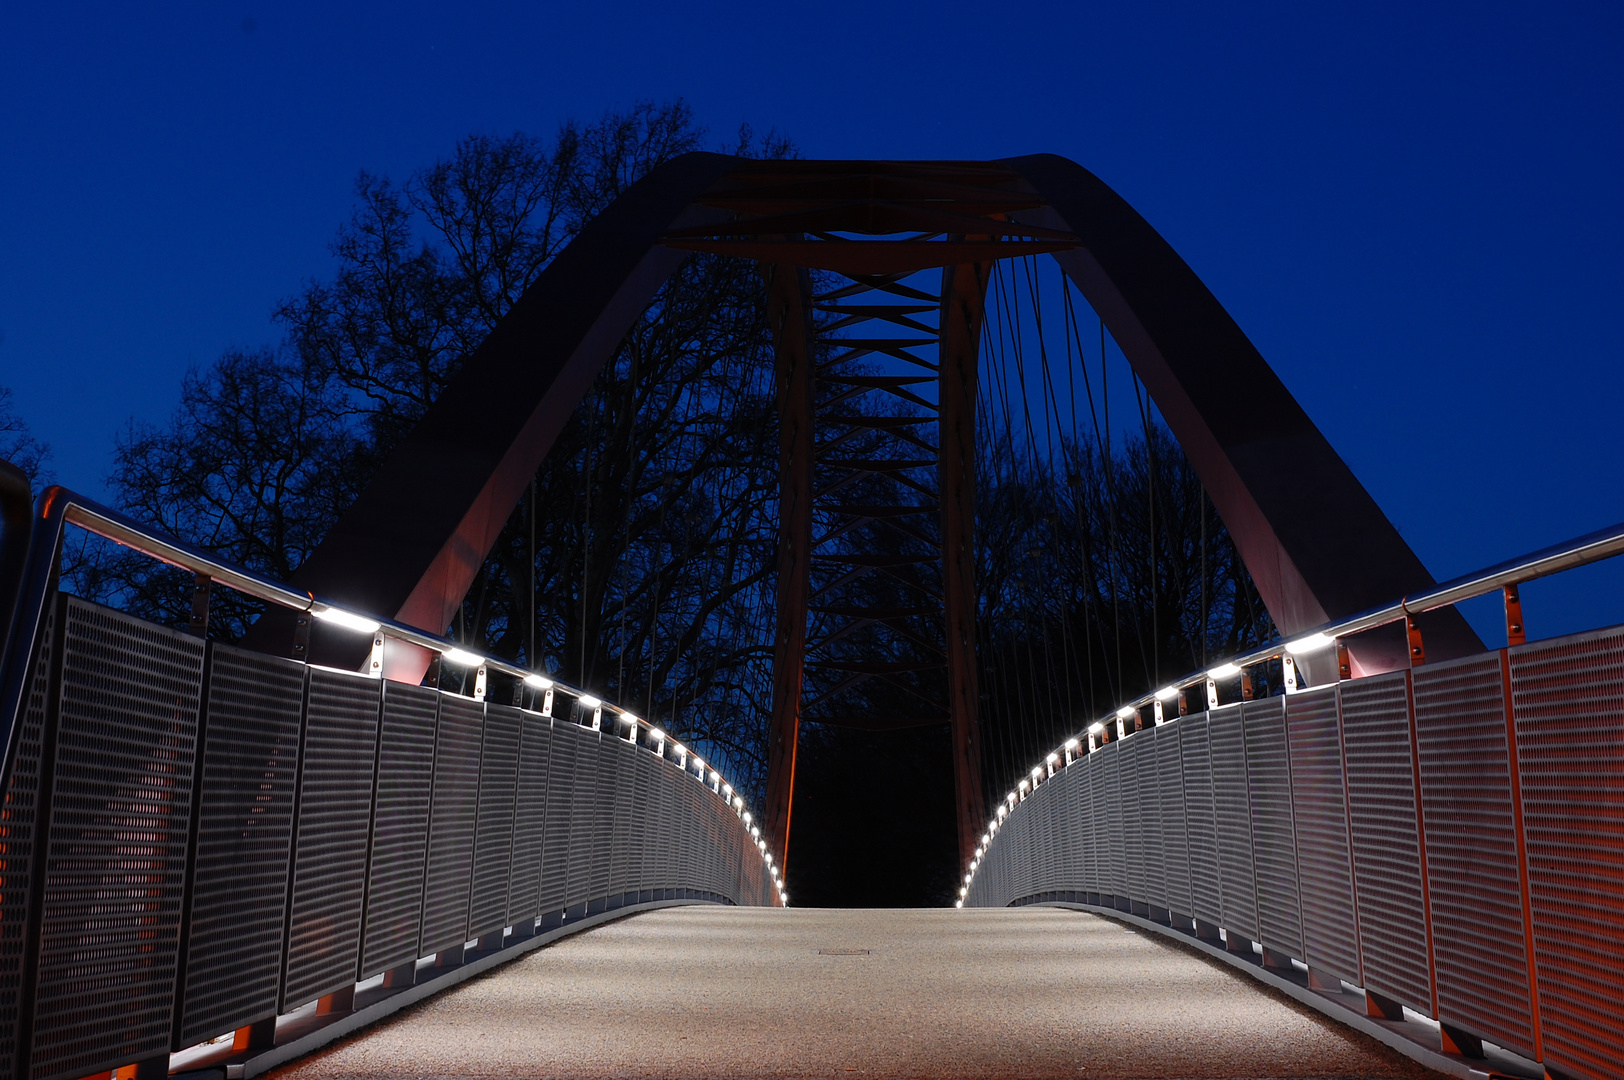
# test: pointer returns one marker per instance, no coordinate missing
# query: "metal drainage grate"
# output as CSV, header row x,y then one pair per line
x,y
845,952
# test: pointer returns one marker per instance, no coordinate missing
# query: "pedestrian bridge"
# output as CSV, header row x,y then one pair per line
x,y
215,860
219,861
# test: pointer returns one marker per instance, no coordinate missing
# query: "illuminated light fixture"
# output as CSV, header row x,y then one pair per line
x,y
678,748
1167,693
540,682
590,702
627,718
1055,757
1311,643
1072,744
715,778
698,764
462,658
1095,729
1125,712
359,623
958,903
1224,671
1037,772
747,817
727,792
755,833
1023,785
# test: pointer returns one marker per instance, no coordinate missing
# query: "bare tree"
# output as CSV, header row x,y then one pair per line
x,y
18,444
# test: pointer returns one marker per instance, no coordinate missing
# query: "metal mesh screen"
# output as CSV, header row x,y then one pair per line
x,y
665,825
17,840
578,878
597,836
400,827
644,800
1201,819
249,775
621,825
493,836
1568,699
1274,842
1319,813
116,845
330,838
1175,839
1231,803
1111,796
453,818
1131,809
556,834
1088,825
530,821
1473,870
1386,845
1150,815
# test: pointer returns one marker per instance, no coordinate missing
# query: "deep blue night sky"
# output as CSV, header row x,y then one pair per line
x,y
1415,215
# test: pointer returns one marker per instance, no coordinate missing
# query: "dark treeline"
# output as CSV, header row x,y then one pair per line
x,y
641,564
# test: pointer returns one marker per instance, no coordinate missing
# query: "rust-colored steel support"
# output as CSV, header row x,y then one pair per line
x,y
1418,647
1516,633
964,291
789,308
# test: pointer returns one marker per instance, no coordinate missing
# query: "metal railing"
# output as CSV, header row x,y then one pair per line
x,y
234,856
1445,838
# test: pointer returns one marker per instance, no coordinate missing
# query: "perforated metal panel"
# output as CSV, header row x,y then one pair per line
x,y
583,793
661,825
1175,839
530,823
1274,839
1386,845
1087,824
493,836
644,802
333,825
1131,810
1116,850
621,825
400,827
17,840
1150,816
1568,700
118,827
248,778
1201,819
1232,811
1472,865
1068,820
453,820
1319,813
556,843
597,835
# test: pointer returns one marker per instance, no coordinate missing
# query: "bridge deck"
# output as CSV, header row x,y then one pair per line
x,y
753,992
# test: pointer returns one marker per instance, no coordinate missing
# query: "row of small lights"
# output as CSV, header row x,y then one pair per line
x,y
1071,749
463,658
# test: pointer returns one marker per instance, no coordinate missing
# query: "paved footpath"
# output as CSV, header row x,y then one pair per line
x,y
750,992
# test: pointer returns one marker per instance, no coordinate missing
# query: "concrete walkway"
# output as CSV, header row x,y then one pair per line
x,y
749,992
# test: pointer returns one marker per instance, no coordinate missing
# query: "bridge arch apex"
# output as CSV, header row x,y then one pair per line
x,y
1312,537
